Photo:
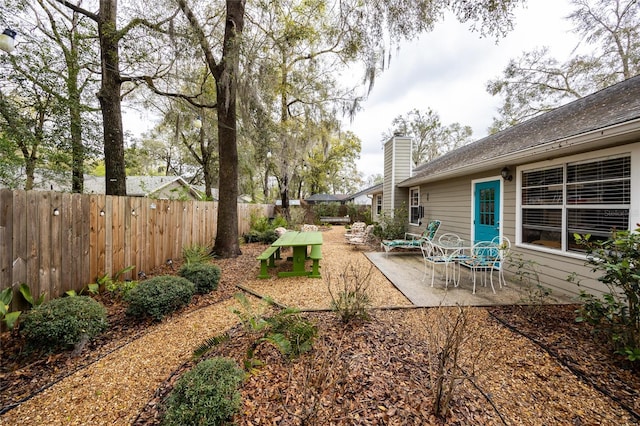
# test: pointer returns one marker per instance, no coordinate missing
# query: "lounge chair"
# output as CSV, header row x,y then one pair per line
x,y
412,241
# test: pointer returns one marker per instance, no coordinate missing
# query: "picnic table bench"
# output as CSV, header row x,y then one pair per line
x,y
268,260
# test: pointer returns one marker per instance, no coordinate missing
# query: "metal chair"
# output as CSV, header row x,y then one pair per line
x,y
483,257
434,254
503,245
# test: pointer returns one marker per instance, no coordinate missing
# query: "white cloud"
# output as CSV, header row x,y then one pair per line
x,y
447,71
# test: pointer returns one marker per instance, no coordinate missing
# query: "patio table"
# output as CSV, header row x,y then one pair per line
x,y
300,241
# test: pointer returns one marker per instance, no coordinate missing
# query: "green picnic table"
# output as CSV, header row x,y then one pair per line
x,y
301,241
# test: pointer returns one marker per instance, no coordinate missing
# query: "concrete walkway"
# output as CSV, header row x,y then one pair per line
x,y
406,272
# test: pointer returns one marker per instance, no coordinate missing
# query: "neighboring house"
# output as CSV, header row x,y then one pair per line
x,y
160,187
575,169
362,198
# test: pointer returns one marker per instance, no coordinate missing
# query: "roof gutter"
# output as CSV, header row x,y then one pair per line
x,y
596,139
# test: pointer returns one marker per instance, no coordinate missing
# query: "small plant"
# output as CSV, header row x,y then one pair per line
x,y
206,395
159,296
452,359
352,300
25,291
525,272
204,276
196,254
616,313
9,318
113,285
64,322
286,330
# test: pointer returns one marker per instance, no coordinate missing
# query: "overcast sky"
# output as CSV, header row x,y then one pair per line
x,y
447,71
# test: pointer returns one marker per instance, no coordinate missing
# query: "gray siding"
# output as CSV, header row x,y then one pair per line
x,y
397,167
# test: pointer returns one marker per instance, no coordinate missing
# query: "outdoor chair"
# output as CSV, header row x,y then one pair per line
x,y
503,246
357,228
411,240
484,257
435,254
363,238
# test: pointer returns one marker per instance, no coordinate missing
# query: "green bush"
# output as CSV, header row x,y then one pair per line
x,y
63,322
617,313
391,227
206,395
205,276
159,296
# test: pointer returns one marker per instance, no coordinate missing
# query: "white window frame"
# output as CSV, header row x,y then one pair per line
x,y
414,191
378,204
632,150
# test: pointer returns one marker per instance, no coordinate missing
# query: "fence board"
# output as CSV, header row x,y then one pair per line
x,y
56,244
33,241
96,235
6,237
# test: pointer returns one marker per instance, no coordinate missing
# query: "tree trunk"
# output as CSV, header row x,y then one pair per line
x,y
227,243
110,103
77,148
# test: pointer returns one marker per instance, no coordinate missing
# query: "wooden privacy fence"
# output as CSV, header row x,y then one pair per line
x,y
56,242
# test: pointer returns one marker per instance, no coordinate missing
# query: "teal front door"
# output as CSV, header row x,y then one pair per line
x,y
487,211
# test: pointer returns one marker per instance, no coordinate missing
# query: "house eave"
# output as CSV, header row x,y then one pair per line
x,y
619,134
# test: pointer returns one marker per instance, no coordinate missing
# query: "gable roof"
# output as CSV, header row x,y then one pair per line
x,y
604,118
139,186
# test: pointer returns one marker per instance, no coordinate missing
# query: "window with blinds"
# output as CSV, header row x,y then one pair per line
x,y
589,197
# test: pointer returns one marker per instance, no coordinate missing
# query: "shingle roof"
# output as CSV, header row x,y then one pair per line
x,y
614,105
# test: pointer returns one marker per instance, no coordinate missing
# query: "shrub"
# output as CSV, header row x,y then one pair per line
x,y
617,313
352,301
204,276
159,296
64,322
391,227
206,395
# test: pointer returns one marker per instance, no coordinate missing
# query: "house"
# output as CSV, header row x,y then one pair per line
x,y
575,169
161,187
362,198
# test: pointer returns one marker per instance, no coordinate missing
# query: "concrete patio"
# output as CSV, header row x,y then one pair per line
x,y
406,270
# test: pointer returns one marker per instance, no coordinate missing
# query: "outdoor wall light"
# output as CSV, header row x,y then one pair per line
x,y
133,212
152,206
101,212
56,212
8,40
269,154
506,173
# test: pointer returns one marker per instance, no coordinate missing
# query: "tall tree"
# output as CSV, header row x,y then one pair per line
x,y
431,138
225,73
536,82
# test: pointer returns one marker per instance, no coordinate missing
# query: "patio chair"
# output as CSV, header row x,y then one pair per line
x,y
436,254
504,246
363,238
411,240
484,257
356,229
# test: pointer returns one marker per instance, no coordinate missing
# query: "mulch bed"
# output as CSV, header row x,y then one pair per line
x,y
368,373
